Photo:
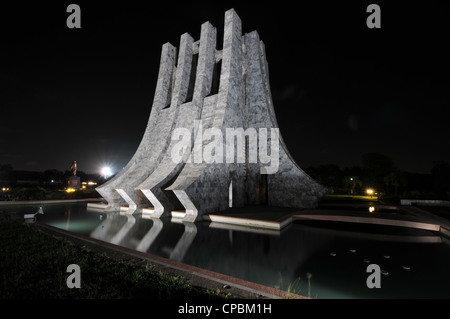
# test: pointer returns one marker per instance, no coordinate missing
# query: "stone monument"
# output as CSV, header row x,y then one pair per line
x,y
74,180
206,94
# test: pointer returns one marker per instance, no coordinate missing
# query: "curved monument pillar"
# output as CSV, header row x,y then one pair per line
x,y
289,186
163,128
204,187
190,115
161,98
171,90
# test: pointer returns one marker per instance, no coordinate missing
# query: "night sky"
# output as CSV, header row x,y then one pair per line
x,y
339,88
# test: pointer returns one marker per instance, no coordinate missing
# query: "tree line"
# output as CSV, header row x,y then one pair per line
x,y
379,172
376,171
51,178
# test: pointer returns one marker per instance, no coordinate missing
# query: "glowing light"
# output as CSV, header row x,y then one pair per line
x,y
70,190
106,171
371,209
369,191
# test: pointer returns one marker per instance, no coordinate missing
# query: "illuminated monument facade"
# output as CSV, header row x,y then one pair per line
x,y
201,90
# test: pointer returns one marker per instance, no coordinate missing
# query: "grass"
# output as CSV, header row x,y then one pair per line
x,y
296,287
33,265
355,197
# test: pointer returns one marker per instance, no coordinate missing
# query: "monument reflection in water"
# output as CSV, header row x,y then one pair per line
x,y
140,233
313,259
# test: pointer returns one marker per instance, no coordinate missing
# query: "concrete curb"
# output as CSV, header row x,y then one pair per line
x,y
49,202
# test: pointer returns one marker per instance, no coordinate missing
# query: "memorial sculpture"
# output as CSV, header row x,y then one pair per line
x,y
73,168
212,140
74,180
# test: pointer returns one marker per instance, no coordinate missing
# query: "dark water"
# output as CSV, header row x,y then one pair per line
x,y
311,258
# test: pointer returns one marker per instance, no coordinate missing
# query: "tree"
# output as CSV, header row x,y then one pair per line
x,y
53,174
441,178
352,183
329,175
6,168
376,167
6,174
394,179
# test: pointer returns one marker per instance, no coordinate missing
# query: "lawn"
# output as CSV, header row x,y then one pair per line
x,y
354,197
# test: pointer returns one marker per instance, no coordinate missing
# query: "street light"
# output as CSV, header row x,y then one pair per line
x,y
106,172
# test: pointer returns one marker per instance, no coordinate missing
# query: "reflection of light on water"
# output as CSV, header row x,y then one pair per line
x,y
75,226
371,209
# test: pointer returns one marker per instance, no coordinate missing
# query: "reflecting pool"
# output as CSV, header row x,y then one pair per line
x,y
313,258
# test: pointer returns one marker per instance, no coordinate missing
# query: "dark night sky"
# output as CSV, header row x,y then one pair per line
x,y
339,88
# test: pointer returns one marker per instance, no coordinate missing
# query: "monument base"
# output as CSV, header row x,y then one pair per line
x,y
74,182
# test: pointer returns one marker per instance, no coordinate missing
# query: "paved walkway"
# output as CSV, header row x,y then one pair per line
x,y
279,217
276,218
